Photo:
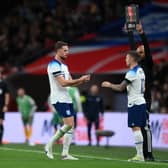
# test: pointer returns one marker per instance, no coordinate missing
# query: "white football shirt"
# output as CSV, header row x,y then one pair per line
x,y
57,92
136,86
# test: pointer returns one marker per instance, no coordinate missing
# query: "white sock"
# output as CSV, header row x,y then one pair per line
x,y
67,141
138,142
59,134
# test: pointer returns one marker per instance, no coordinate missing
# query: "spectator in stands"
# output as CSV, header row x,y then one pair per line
x,y
31,26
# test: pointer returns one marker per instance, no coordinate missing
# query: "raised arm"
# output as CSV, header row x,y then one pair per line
x,y
131,38
148,57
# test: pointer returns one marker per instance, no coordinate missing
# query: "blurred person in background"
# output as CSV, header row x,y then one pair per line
x,y
93,107
4,102
75,95
165,92
164,109
146,63
156,101
56,119
83,95
27,107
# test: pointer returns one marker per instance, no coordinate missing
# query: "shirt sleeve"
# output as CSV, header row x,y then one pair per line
x,y
130,76
55,69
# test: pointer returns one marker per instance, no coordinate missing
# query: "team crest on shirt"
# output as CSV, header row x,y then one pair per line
x,y
68,112
1,91
140,71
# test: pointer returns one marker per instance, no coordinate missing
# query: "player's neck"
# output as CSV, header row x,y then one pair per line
x,y
58,58
133,65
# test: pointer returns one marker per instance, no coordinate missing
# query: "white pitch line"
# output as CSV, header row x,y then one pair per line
x,y
82,156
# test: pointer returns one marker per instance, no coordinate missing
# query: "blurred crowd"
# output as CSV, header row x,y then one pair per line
x,y
30,28
160,88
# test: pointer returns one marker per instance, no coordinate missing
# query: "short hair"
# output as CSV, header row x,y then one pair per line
x,y
135,55
59,44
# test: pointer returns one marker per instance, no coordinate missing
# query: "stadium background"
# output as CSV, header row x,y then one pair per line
x,y
94,29
95,32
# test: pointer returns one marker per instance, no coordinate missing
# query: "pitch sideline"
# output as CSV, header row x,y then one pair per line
x,y
81,156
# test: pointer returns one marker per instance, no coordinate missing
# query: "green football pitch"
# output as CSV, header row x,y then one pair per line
x,y
24,156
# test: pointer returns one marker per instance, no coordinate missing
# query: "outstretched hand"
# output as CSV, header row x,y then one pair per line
x,y
106,84
85,78
127,29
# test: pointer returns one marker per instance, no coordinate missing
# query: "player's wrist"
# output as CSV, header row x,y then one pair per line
x,y
80,80
111,86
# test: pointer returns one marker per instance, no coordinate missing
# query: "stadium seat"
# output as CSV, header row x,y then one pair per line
x,y
105,133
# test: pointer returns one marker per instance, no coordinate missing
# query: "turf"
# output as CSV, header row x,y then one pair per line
x,y
24,156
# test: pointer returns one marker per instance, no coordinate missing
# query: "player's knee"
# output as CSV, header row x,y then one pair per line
x,y
136,128
70,124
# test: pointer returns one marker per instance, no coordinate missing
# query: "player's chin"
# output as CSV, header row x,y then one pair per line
x,y
64,57
142,56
